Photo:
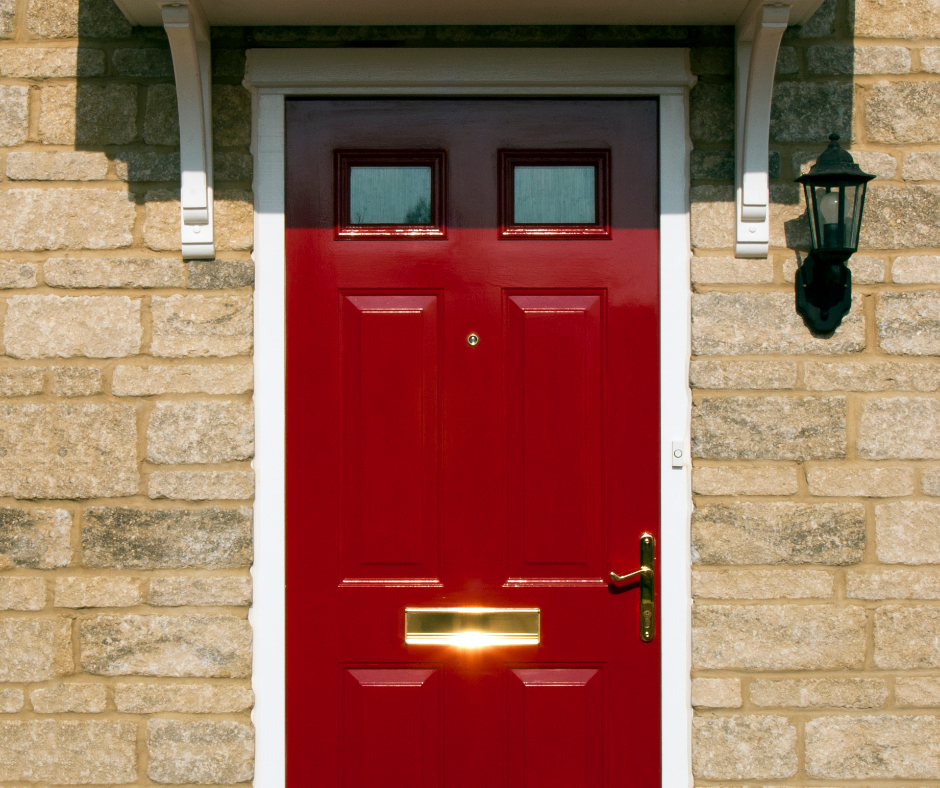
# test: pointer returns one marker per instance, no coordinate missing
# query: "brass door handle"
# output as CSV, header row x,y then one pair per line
x,y
647,577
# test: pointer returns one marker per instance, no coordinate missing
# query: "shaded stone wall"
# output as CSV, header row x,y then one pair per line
x,y
126,424
816,530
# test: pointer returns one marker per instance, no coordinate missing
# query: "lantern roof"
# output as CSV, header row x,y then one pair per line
x,y
835,163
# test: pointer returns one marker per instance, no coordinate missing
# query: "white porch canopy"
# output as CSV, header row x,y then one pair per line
x,y
759,26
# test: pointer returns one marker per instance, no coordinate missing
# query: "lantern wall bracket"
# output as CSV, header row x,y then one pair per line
x,y
188,32
757,42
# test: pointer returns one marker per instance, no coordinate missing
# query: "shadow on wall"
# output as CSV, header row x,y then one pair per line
x,y
813,97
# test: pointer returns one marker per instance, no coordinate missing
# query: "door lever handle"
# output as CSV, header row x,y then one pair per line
x,y
647,577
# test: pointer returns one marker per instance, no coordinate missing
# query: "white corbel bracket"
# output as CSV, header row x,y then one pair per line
x,y
188,32
757,43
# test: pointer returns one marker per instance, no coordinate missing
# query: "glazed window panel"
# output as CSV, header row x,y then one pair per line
x,y
559,194
389,195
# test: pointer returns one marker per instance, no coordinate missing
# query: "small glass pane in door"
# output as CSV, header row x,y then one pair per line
x,y
389,195
554,194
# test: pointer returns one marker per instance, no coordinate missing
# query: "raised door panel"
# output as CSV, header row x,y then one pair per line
x,y
391,728
554,351
555,727
391,451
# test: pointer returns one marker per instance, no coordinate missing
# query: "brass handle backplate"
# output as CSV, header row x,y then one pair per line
x,y
647,575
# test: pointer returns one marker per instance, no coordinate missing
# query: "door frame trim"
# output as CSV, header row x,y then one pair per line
x,y
273,74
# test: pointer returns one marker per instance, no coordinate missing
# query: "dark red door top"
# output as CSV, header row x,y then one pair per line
x,y
514,468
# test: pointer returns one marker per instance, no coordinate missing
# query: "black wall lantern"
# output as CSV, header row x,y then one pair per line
x,y
835,198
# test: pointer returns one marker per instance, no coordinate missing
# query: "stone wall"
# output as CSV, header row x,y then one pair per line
x,y
126,428
816,530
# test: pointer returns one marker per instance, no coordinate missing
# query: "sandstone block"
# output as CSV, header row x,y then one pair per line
x,y
127,538
17,274
908,532
865,482
201,646
191,432
88,114
74,18
182,379
712,164
817,693
144,62
787,62
909,323
898,113
38,220
742,374
907,637
11,700
809,111
901,218
234,220
197,325
76,381
22,593
34,650
729,270
858,60
865,269
221,274
231,115
200,591
229,63
711,60
51,63
931,481
37,539
145,166
716,693
14,114
930,60
105,591
889,583
20,382
47,326
743,748
821,23
919,269
61,166
768,480
769,428
919,691
71,697
232,166
712,210
202,485
778,637
206,753
6,18
161,116
910,19
68,752
906,428
68,451
113,272
873,376
185,698
778,533
758,323
762,584
921,166
712,112
873,747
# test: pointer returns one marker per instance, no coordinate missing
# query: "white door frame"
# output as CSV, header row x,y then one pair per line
x,y
274,74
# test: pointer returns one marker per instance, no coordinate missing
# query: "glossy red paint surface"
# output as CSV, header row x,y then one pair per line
x,y
425,472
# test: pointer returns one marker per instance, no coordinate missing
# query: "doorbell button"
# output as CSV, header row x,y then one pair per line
x,y
678,454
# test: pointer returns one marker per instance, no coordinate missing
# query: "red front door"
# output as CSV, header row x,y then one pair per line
x,y
472,423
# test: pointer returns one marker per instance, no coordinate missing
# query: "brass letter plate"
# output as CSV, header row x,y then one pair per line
x,y
472,626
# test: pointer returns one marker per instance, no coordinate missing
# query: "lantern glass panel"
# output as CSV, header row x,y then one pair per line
x,y
828,211
810,194
854,225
